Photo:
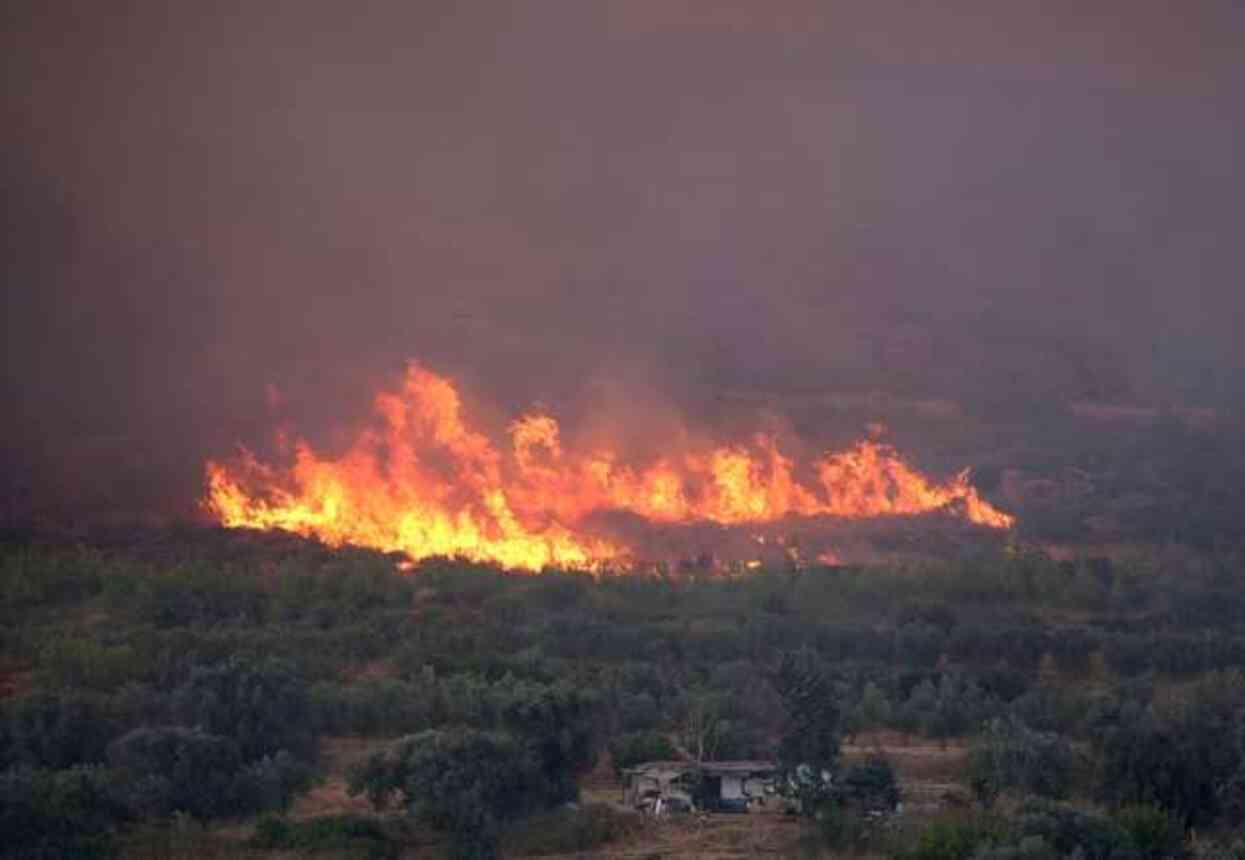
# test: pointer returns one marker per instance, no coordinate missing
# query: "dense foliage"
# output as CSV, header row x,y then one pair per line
x,y
464,781
191,674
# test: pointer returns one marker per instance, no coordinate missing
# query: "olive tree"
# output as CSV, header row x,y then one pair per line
x,y
466,782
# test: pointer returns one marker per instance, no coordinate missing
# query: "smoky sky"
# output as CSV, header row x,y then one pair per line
x,y
206,203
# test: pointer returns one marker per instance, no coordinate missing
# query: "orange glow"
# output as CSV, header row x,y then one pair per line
x,y
422,482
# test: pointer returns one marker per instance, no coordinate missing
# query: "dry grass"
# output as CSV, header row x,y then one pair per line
x,y
338,754
330,797
914,759
171,844
929,772
715,837
373,670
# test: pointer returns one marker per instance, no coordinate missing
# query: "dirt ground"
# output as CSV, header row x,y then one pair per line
x,y
330,797
714,837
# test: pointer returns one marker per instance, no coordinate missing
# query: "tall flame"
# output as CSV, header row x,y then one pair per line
x,y
422,482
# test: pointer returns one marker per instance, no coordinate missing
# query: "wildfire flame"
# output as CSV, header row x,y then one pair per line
x,y
420,481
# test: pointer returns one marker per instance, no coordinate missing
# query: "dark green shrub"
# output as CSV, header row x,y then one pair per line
x,y
638,712
271,782
1022,848
843,829
56,730
636,748
954,840
1234,850
466,782
168,769
261,705
1067,829
869,786
346,836
1153,833
1010,755
199,593
88,664
61,813
387,707
33,578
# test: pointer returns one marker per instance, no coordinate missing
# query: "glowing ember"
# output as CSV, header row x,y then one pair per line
x,y
422,482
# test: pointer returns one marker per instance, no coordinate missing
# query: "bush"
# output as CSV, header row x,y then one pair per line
x,y
260,705
200,594
856,814
88,664
347,836
1067,829
870,786
842,829
385,706
954,840
168,769
1188,761
636,748
1011,755
58,730
30,578
1153,833
272,782
638,712
1218,851
466,782
174,769
1025,848
570,830
1046,830
62,813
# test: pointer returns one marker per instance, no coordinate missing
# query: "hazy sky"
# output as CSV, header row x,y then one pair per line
x,y
941,199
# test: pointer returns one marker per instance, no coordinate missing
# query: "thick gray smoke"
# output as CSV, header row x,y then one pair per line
x,y
210,203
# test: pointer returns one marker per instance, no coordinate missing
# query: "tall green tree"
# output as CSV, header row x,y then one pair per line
x,y
262,705
1010,755
809,749
169,768
467,782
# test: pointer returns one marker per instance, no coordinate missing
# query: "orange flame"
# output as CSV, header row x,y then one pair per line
x,y
420,481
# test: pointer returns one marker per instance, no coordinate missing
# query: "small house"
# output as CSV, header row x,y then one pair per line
x,y
661,787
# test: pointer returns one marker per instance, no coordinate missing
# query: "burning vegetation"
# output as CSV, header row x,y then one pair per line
x,y
420,480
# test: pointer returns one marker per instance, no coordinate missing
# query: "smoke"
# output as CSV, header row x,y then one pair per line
x,y
616,208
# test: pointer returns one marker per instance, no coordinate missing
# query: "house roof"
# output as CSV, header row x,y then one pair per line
x,y
672,769
739,767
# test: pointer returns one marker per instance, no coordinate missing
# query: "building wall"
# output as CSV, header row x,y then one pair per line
x,y
732,788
